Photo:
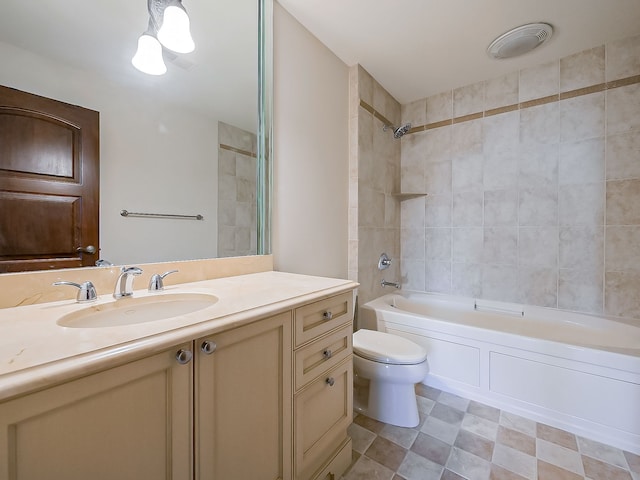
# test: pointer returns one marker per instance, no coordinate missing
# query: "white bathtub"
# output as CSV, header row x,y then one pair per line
x,y
577,372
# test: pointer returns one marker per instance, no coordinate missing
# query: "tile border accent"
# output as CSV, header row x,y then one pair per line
x,y
600,87
237,150
375,113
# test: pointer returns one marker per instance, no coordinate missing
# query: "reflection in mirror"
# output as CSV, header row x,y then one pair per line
x,y
183,143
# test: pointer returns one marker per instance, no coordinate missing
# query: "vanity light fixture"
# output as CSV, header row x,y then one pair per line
x,y
169,27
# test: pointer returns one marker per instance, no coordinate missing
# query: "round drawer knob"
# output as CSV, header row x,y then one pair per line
x,y
208,347
183,356
327,354
327,315
330,381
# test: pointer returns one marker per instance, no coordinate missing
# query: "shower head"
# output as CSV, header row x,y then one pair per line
x,y
398,132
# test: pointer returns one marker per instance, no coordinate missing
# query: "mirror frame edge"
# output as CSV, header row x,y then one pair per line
x,y
265,125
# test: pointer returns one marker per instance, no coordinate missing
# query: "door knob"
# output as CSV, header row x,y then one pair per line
x,y
90,249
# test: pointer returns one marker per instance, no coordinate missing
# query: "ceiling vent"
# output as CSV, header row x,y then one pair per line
x,y
520,40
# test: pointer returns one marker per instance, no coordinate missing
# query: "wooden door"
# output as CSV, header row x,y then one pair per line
x,y
49,183
243,403
129,422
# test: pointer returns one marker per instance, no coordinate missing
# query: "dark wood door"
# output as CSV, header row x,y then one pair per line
x,y
49,183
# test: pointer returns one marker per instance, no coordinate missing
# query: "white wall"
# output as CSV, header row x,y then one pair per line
x,y
153,158
310,205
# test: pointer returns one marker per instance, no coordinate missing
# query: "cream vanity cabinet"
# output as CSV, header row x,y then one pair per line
x,y
267,400
131,421
323,382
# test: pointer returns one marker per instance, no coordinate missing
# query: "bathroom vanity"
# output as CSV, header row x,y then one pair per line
x,y
257,385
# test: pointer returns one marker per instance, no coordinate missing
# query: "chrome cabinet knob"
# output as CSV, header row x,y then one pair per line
x,y
327,315
330,381
183,356
90,249
327,354
208,347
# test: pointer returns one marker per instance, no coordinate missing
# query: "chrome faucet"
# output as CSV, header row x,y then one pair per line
x,y
384,283
124,284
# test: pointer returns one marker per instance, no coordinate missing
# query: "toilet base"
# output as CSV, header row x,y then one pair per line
x,y
390,403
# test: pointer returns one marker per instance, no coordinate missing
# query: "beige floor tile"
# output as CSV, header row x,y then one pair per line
x,y
402,436
499,473
361,438
386,453
559,456
468,465
515,461
597,470
557,436
518,423
475,444
633,461
432,449
485,411
416,467
546,471
441,430
480,426
367,469
517,440
599,451
454,401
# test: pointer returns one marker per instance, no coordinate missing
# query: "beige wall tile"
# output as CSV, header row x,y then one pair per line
x,y
501,207
581,248
413,275
467,172
623,58
582,162
466,138
623,248
413,244
540,81
623,155
365,85
438,277
413,213
582,117
385,104
538,286
623,105
466,279
581,204
467,209
437,177
538,167
623,202
501,91
500,282
415,112
438,210
438,244
468,99
440,107
468,244
538,246
540,124
621,294
501,132
538,206
580,291
582,70
500,169
500,245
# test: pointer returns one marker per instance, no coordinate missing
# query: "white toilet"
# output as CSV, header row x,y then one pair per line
x,y
392,365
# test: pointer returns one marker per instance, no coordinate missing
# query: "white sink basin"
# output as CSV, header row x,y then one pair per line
x,y
130,311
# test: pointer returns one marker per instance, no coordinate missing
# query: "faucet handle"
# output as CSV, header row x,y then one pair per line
x,y
156,283
86,291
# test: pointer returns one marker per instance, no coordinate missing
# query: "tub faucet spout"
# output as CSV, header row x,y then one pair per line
x,y
384,283
124,284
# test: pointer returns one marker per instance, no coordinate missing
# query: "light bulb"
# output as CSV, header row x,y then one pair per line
x,y
148,57
175,32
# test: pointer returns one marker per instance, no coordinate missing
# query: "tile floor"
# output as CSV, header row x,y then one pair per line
x,y
462,439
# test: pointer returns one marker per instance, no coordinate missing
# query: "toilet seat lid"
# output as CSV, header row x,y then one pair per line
x,y
387,348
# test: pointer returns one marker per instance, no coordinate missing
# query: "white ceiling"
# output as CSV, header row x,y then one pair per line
x,y
417,48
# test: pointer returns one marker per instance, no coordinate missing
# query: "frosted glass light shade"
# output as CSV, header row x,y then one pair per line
x,y
148,57
175,31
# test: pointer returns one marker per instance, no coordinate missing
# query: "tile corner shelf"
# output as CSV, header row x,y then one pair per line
x,y
408,195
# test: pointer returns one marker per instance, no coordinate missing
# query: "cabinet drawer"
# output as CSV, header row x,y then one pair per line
x,y
320,317
338,464
323,411
321,355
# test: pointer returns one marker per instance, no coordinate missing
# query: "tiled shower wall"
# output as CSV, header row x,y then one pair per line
x,y
374,174
237,207
534,186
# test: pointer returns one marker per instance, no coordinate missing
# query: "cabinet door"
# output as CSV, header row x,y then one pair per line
x,y
323,411
243,403
132,421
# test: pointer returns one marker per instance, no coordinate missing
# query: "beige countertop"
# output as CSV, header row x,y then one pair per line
x,y
36,352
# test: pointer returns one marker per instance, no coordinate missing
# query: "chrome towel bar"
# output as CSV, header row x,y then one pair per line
x,y
126,213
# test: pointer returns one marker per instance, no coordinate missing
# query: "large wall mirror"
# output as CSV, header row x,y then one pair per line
x,y
195,141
